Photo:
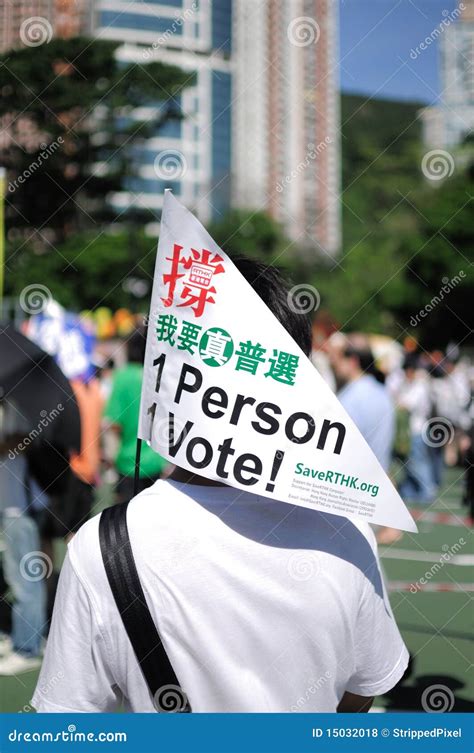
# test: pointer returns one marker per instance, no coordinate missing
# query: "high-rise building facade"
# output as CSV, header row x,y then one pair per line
x,y
191,154
286,123
450,122
457,76
258,125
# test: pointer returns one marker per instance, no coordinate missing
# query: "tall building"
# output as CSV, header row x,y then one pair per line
x,y
191,155
286,147
32,22
450,122
260,116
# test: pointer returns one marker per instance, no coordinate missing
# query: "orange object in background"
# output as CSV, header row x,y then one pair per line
x,y
90,401
108,324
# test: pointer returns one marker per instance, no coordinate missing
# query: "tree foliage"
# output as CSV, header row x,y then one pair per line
x,y
404,235
87,271
250,233
68,108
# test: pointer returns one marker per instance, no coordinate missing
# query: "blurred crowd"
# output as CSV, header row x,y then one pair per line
x,y
413,408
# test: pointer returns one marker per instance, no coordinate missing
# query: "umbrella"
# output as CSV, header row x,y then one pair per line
x,y
31,380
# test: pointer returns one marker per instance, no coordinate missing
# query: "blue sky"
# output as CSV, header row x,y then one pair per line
x,y
376,39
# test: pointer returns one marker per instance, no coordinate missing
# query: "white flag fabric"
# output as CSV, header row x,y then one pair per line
x,y
228,394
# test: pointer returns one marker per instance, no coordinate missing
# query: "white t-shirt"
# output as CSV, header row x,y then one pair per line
x,y
414,396
261,607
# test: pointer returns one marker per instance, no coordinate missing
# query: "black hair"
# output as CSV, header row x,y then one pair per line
x,y
136,345
274,292
411,361
366,361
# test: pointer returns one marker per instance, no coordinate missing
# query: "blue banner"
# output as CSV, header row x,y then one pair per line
x,y
237,733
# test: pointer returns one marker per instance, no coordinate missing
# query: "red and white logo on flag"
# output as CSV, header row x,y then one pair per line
x,y
190,280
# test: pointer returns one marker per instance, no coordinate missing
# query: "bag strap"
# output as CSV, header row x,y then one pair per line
x,y
119,563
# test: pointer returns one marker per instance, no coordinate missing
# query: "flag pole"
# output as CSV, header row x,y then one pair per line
x,y
137,467
2,235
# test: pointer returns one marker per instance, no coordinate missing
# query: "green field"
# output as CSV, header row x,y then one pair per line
x,y
436,625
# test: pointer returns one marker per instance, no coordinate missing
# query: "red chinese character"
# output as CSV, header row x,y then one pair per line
x,y
174,274
196,289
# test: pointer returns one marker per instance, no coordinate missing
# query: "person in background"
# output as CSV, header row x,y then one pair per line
x,y
104,373
85,464
414,396
468,496
25,566
324,328
365,397
450,390
121,415
70,501
71,507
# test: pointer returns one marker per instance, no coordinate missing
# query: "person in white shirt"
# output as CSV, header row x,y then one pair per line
x,y
365,397
414,395
261,606
368,402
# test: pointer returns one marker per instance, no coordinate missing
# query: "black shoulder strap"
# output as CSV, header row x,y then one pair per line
x,y
127,591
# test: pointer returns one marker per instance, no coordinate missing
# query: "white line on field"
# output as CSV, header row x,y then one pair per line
x,y
408,554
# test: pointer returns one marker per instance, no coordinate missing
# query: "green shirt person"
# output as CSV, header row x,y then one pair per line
x,y
122,412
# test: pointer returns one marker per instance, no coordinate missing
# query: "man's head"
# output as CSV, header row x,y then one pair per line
x,y
270,286
353,360
136,345
410,366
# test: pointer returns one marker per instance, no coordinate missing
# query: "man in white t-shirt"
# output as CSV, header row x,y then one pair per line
x,y
261,606
414,396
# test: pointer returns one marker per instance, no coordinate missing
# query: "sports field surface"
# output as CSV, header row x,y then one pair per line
x,y
430,576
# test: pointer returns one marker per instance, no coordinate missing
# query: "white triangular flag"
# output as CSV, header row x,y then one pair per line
x,y
229,395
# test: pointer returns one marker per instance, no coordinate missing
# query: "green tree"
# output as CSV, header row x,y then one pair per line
x,y
404,235
76,100
91,269
250,233
87,271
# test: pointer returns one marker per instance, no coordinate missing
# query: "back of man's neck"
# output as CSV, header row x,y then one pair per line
x,y
188,477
